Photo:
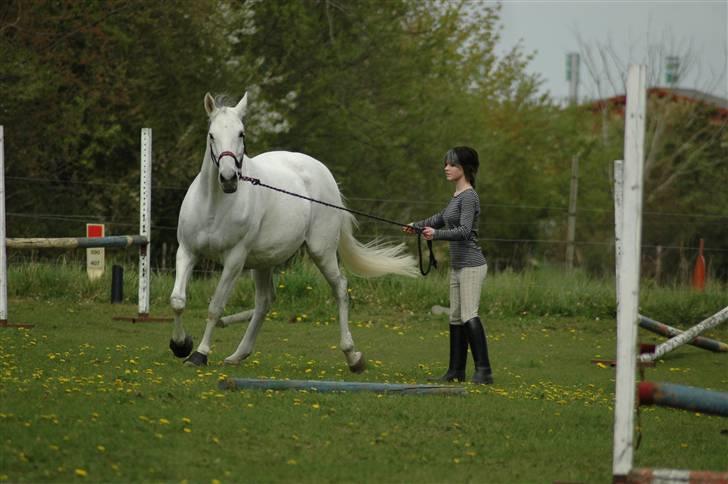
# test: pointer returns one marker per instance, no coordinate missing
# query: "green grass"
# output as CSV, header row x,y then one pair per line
x,y
86,398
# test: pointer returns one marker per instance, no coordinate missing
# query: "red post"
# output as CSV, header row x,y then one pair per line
x,y
699,269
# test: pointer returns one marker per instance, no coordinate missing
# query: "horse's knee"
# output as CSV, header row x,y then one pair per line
x,y
177,303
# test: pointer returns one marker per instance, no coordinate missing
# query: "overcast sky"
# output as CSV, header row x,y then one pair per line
x,y
552,28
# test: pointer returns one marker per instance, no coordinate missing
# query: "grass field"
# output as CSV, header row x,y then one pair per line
x,y
86,398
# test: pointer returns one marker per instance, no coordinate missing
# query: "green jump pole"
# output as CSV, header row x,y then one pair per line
x,y
683,397
339,386
669,332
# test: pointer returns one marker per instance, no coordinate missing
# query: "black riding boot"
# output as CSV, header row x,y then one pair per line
x,y
458,354
479,348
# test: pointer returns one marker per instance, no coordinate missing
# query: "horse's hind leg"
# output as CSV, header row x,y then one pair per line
x,y
240,317
264,295
329,267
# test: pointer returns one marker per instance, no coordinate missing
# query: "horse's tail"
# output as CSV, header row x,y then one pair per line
x,y
374,258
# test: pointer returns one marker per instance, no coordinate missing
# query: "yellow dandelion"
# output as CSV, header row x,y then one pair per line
x,y
187,430
186,420
291,462
101,448
81,473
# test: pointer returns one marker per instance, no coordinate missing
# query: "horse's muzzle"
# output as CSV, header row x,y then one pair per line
x,y
229,185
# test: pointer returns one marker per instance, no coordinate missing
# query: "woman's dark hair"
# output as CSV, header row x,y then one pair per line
x,y
467,158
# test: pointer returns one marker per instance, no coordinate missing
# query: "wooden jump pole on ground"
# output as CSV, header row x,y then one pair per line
x,y
670,332
683,397
686,336
651,476
339,386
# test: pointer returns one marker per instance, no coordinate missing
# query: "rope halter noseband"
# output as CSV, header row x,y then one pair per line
x,y
216,159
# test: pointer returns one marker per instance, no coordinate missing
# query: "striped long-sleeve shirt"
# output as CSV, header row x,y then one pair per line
x,y
460,221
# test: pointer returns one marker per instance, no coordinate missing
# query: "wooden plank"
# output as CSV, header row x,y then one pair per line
x,y
670,332
688,335
75,242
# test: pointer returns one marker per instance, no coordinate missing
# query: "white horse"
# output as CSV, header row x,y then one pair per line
x,y
252,227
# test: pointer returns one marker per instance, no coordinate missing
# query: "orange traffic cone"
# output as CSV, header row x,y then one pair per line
x,y
699,269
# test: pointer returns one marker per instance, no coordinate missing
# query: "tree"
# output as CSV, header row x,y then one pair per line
x,y
684,168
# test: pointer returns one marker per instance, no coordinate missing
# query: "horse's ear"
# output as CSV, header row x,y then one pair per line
x,y
242,106
210,104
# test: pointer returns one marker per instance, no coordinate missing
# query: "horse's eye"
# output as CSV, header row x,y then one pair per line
x,y
241,135
212,138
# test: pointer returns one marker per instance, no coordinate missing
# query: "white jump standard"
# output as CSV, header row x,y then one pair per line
x,y
628,187
142,240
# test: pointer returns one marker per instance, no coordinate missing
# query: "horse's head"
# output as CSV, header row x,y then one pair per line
x,y
226,138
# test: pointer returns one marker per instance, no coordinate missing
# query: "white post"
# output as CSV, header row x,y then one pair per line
x,y
145,216
3,253
629,273
571,227
618,215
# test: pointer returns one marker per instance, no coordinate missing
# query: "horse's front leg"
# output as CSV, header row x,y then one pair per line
x,y
233,265
181,342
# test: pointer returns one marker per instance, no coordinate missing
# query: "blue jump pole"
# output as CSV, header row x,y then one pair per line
x,y
339,386
683,397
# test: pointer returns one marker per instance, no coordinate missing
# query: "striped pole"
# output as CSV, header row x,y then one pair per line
x,y
651,476
683,397
686,336
669,332
339,386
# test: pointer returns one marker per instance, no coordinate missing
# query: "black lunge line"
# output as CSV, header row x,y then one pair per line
x,y
432,263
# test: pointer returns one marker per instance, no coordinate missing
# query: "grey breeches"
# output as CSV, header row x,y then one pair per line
x,y
465,286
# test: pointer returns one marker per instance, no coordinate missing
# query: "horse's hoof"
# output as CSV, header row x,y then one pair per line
x,y
232,361
181,350
196,359
360,365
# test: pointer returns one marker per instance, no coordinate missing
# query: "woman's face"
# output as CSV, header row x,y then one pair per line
x,y
453,172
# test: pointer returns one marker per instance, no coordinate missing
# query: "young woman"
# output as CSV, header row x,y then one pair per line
x,y
458,224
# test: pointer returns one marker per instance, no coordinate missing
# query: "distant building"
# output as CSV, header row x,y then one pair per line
x,y
717,107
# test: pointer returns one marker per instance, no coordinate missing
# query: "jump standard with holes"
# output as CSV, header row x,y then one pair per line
x,y
141,240
629,395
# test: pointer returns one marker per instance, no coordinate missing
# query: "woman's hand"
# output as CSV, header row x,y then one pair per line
x,y
409,229
428,233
